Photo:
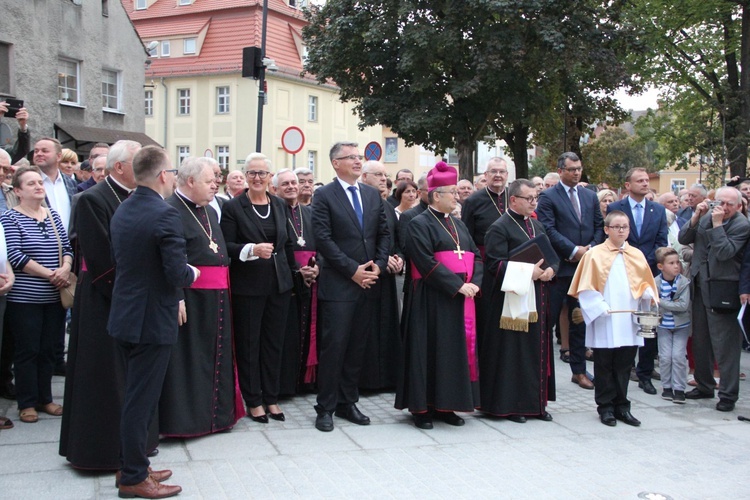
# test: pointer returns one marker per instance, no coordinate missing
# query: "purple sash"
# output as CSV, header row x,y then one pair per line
x,y
465,265
212,278
303,258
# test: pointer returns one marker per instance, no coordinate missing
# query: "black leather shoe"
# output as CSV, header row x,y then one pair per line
x,y
261,419
519,419
324,421
627,418
277,416
544,416
450,418
423,420
352,414
698,394
647,386
725,405
608,418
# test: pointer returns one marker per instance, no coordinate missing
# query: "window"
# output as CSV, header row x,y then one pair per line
x,y
188,46
165,48
111,89
105,8
298,4
186,2
312,159
183,101
222,100
149,101
6,86
312,109
153,51
68,78
222,156
182,153
140,4
678,185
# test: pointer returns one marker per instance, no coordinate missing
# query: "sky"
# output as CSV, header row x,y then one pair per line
x,y
639,102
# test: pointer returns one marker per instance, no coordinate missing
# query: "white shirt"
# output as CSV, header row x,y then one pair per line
x,y
346,187
57,194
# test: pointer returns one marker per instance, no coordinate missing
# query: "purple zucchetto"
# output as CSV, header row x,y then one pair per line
x,y
441,175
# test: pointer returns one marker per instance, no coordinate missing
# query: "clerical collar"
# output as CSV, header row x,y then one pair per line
x,y
517,215
180,193
497,195
438,212
119,184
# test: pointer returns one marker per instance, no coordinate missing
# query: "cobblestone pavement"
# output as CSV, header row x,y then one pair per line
x,y
686,451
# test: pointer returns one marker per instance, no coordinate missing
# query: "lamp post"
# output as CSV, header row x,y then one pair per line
x,y
262,79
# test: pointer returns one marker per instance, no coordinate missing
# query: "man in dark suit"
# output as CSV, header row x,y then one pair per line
x,y
696,194
573,221
353,241
150,257
719,235
648,222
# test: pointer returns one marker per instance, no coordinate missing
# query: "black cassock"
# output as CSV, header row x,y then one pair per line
x,y
517,374
95,379
435,370
294,357
384,339
480,210
200,393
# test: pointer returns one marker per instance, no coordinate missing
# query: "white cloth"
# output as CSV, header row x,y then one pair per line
x,y
57,194
611,330
215,204
520,294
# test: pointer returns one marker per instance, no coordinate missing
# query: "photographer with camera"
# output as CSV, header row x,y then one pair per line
x,y
13,108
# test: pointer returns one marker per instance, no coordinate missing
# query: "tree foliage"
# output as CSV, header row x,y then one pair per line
x,y
444,74
611,155
700,51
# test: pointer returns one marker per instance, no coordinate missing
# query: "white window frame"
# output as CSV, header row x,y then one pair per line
x,y
166,48
66,88
679,184
183,102
312,108
188,51
222,156
185,2
108,93
148,102
223,100
141,4
312,159
182,153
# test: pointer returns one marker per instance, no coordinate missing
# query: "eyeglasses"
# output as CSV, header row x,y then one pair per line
x,y
530,199
262,174
377,174
351,157
573,169
497,172
169,171
619,228
451,192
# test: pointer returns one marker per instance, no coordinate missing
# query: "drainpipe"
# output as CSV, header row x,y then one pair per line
x,y
166,109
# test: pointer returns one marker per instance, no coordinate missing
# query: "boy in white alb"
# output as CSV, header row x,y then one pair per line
x,y
613,276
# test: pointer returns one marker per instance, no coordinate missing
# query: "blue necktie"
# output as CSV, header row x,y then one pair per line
x,y
357,206
638,217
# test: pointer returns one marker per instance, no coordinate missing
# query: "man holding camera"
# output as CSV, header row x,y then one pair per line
x,y
719,233
23,143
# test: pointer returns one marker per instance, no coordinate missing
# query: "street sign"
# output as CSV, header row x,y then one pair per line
x,y
373,151
293,140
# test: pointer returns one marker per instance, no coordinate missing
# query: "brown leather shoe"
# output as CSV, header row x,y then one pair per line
x,y
583,381
159,475
149,488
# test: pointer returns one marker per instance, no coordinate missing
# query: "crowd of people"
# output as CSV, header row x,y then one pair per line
x,y
195,308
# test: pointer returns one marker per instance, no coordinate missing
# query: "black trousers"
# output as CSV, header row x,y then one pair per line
x,y
612,375
646,354
342,343
145,367
259,329
577,336
35,329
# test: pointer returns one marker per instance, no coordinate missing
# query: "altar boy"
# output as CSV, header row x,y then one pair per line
x,y
613,276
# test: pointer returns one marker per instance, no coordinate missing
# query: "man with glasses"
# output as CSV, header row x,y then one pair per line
x,y
487,204
384,340
719,235
518,374
440,370
352,237
648,223
573,221
99,150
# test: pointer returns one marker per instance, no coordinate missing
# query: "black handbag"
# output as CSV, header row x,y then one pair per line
x,y
724,295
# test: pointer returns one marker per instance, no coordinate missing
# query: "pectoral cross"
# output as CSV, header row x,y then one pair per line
x,y
459,252
213,246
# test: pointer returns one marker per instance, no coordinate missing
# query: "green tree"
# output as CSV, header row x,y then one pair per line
x,y
611,155
700,51
443,74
